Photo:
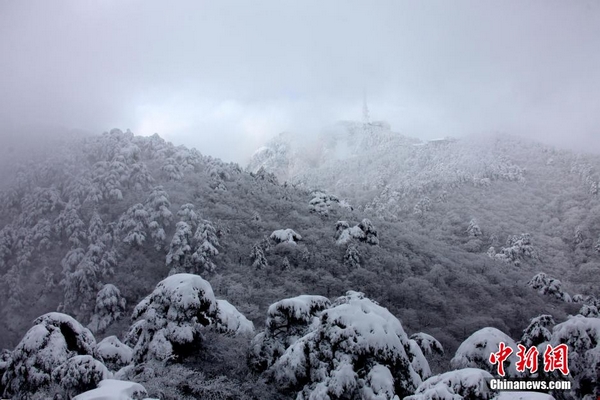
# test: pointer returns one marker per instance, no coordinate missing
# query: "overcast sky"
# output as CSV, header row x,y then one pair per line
x,y
224,76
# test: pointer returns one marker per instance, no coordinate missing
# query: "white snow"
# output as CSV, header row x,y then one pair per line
x,y
285,235
427,343
111,389
454,385
475,351
299,307
348,234
231,320
184,291
354,330
113,351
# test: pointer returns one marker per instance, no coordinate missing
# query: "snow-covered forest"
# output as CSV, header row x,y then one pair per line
x,y
377,267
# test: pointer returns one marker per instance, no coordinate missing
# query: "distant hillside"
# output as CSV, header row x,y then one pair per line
x,y
508,185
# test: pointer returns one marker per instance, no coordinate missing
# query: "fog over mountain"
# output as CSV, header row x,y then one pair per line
x,y
225,76
299,200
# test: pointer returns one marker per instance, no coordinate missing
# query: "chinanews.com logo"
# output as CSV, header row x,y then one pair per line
x,y
555,358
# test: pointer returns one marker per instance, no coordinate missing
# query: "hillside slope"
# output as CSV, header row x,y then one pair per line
x,y
127,211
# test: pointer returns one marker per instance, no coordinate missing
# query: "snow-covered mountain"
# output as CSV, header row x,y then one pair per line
x,y
408,247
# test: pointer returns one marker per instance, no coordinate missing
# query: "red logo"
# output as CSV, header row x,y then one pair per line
x,y
528,359
555,358
500,357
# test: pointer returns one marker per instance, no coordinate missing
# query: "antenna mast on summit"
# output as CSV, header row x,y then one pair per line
x,y
366,119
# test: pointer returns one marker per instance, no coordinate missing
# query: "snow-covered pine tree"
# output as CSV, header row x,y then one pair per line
x,y
42,234
373,357
179,258
538,331
115,354
79,374
467,383
133,224
287,321
160,216
285,236
589,311
110,305
371,236
187,213
54,339
172,320
257,256
24,246
582,337
473,229
205,240
340,227
172,169
6,244
285,264
428,344
422,206
96,227
68,224
475,351
352,256
139,176
80,286
547,285
12,283
518,248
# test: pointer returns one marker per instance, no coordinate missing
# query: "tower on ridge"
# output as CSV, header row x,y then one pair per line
x,y
366,118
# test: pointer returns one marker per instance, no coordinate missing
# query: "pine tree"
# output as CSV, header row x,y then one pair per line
x,y
54,339
96,227
160,216
538,331
205,242
139,176
352,256
373,355
80,287
172,170
174,317
473,230
110,306
285,264
371,236
133,225
69,225
79,374
115,354
179,258
257,256
42,234
187,213
6,244
287,321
